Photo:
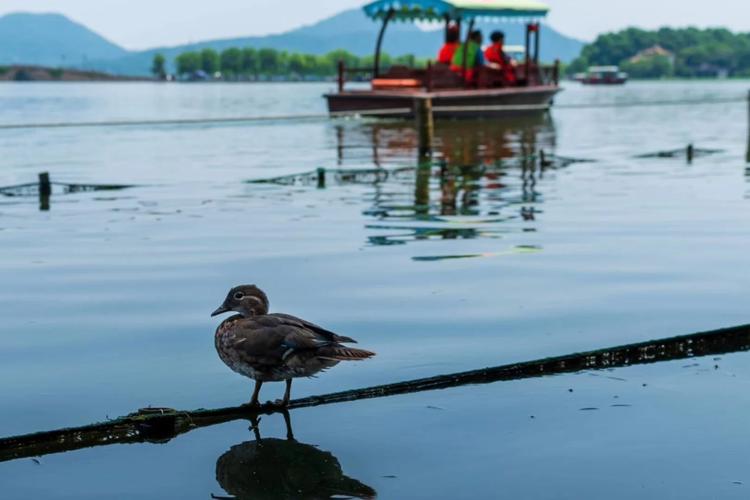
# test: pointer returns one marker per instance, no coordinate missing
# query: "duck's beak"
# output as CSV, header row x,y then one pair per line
x,y
222,309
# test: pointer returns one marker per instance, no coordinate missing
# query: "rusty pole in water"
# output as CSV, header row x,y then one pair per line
x,y
425,125
45,190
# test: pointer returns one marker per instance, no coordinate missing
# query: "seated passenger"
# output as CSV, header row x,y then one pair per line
x,y
497,59
474,57
445,56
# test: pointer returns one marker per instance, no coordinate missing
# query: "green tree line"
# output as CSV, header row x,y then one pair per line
x,y
697,52
251,63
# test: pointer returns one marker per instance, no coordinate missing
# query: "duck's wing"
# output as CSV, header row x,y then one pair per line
x,y
272,338
290,320
270,341
257,343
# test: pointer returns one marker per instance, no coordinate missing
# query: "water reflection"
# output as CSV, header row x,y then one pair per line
x,y
482,176
271,468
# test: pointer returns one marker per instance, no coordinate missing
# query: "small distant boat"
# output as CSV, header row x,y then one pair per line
x,y
603,75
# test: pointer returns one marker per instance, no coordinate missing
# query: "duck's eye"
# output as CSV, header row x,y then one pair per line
x,y
238,295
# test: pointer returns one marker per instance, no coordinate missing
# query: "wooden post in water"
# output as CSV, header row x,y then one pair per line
x,y
556,72
425,126
321,177
690,153
45,190
422,188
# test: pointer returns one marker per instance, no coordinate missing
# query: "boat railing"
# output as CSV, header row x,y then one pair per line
x,y
439,76
549,74
345,73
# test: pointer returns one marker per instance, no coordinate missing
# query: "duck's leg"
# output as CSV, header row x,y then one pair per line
x,y
255,426
288,422
283,403
288,392
256,393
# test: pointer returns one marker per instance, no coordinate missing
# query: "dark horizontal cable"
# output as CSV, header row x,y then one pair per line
x,y
161,425
322,116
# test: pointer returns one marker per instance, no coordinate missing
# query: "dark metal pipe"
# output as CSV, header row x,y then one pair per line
x,y
465,49
342,76
379,44
527,62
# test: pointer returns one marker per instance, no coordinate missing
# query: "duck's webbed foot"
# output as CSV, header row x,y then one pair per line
x,y
283,403
277,404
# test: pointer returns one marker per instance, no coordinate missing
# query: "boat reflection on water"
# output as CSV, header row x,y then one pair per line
x,y
481,176
456,142
271,468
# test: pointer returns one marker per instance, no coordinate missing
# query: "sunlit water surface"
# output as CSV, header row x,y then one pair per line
x,y
485,259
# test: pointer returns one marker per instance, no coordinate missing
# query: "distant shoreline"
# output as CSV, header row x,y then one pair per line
x,y
26,73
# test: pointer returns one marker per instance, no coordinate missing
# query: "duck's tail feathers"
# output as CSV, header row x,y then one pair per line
x,y
341,353
345,340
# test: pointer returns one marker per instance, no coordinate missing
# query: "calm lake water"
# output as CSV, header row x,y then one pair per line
x,y
486,259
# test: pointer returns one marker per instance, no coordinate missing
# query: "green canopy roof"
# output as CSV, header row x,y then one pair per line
x,y
430,10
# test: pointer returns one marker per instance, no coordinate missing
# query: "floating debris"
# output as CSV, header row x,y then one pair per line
x,y
521,249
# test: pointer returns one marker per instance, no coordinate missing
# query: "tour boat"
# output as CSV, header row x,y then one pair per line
x,y
393,92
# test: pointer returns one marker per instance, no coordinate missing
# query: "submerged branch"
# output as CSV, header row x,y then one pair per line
x,y
159,425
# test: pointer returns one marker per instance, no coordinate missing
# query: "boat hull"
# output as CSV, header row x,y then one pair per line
x,y
445,103
604,81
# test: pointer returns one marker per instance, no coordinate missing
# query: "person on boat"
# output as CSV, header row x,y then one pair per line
x,y
498,59
445,56
474,57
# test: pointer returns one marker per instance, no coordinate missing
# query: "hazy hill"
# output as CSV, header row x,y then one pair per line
x,y
350,29
51,40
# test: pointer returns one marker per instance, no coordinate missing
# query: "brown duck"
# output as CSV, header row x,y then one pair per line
x,y
275,347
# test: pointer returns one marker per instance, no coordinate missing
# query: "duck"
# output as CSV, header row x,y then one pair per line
x,y
275,347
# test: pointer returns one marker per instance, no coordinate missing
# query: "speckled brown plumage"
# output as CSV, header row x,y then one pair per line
x,y
271,347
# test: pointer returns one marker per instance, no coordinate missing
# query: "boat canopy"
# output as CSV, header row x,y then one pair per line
x,y
603,69
438,10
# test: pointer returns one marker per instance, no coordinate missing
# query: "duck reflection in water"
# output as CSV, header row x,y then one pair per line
x,y
271,468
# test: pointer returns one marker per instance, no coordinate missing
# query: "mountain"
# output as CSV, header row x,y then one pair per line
x,y
51,40
350,30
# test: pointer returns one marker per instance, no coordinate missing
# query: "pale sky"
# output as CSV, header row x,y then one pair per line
x,y
138,24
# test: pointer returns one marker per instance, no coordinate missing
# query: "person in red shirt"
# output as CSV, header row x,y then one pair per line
x,y
452,35
497,59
